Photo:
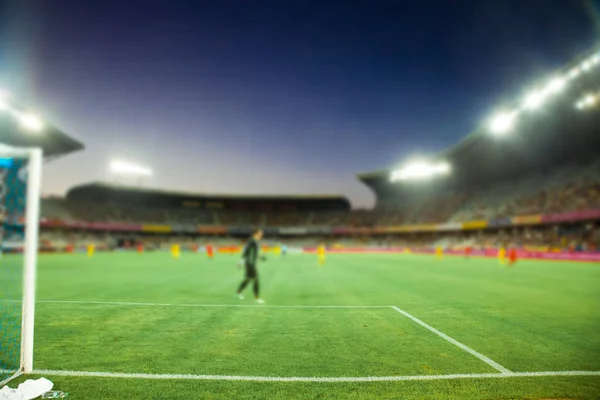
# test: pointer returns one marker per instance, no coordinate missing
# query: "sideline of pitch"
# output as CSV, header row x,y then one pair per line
x,y
199,305
315,379
10,378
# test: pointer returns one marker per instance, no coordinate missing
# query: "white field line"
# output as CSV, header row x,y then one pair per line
x,y
311,379
7,371
133,304
455,342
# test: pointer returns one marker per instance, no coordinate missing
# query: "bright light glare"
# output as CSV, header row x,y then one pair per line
x,y
503,122
420,170
125,168
3,101
28,121
586,65
588,101
534,100
31,122
556,85
574,73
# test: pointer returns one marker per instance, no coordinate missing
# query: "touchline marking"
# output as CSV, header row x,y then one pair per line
x,y
125,303
14,375
455,342
310,378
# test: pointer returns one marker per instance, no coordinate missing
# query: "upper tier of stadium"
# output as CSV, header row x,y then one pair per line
x,y
570,188
105,202
558,133
107,193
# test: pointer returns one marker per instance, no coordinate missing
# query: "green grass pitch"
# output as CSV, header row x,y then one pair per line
x,y
128,313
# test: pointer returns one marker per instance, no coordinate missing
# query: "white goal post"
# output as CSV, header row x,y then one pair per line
x,y
20,192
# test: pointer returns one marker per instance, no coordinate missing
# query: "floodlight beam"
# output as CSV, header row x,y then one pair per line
x,y
125,168
420,170
557,85
503,122
534,100
31,122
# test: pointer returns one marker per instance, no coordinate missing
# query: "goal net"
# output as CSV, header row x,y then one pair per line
x,y
20,182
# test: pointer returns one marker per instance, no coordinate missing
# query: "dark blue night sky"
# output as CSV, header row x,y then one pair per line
x,y
275,96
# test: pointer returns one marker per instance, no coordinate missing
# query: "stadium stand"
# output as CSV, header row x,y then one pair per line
x,y
549,164
119,204
538,186
563,190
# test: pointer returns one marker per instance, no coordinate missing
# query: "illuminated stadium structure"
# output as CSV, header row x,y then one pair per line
x,y
542,165
552,130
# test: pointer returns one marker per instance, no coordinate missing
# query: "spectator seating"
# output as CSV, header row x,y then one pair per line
x,y
563,190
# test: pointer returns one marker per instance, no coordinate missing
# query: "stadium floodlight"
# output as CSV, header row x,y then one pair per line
x,y
557,84
534,100
574,73
420,170
588,101
31,122
503,122
125,168
586,65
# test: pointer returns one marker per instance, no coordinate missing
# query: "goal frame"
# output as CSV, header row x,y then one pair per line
x,y
34,156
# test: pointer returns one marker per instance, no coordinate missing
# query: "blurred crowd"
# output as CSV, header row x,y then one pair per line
x,y
566,237
563,190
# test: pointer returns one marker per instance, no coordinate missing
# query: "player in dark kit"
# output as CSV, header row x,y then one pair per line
x,y
250,257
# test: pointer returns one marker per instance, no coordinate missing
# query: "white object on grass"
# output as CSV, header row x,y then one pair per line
x,y
30,389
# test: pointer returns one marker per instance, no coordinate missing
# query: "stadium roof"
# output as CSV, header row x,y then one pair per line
x,y
139,189
556,134
13,132
102,191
